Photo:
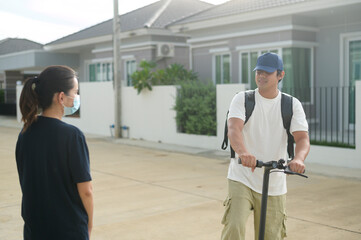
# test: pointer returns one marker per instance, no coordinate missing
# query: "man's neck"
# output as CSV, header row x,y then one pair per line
x,y
270,94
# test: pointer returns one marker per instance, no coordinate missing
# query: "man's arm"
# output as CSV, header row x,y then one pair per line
x,y
302,149
85,190
235,127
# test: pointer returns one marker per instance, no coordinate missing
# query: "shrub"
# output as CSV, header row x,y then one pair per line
x,y
146,77
195,102
196,108
142,79
2,96
173,75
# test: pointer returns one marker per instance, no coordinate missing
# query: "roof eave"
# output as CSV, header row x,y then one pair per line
x,y
78,43
109,38
260,14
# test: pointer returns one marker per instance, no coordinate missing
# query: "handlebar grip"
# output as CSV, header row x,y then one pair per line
x,y
259,163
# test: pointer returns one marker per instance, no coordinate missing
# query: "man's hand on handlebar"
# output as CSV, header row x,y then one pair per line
x,y
248,160
297,165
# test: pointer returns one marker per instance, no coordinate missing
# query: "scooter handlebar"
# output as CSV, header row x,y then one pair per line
x,y
276,165
260,164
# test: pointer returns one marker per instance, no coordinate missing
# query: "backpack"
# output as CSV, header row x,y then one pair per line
x,y
286,111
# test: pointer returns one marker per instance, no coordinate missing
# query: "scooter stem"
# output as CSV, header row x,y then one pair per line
x,y
262,224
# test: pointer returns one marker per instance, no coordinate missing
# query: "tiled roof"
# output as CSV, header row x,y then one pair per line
x,y
236,7
12,45
158,15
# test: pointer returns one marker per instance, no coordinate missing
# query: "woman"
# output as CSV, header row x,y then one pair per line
x,y
53,160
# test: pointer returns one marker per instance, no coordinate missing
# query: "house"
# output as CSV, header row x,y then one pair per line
x,y
8,77
319,40
144,35
222,42
22,58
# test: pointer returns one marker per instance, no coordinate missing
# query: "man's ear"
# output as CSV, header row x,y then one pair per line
x,y
282,76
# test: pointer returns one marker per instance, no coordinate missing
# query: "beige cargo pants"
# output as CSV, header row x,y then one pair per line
x,y
239,204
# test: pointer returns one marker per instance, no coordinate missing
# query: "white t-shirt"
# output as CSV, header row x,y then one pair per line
x,y
265,138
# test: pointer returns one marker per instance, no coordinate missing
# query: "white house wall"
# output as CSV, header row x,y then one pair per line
x,y
150,116
328,51
96,109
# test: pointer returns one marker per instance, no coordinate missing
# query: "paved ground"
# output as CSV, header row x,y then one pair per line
x,y
159,191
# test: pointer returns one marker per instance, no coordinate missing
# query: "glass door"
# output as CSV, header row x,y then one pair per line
x,y
354,72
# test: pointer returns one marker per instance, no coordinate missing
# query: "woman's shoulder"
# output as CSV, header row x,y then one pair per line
x,y
64,127
72,129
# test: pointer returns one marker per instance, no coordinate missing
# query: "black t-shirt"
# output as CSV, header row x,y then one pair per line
x,y
52,157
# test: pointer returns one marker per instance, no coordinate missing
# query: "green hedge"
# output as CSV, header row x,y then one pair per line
x,y
196,108
147,76
2,96
195,102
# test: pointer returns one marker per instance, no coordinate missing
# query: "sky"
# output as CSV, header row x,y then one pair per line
x,y
44,21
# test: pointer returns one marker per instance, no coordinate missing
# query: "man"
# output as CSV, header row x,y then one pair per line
x,y
262,138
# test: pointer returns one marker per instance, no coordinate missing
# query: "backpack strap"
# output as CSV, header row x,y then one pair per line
x,y
287,113
249,103
225,138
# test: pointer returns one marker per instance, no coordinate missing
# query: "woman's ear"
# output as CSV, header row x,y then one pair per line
x,y
60,98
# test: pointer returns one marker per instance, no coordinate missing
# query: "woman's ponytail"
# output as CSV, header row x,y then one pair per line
x,y
29,102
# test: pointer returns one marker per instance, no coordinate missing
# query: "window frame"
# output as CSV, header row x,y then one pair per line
x,y
214,69
126,60
249,51
102,74
280,52
345,41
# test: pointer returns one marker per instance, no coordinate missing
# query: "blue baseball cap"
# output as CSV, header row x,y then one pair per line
x,y
269,62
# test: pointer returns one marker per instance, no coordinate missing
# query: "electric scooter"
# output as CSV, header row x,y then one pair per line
x,y
269,166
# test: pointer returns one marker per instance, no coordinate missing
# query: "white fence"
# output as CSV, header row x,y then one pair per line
x,y
150,116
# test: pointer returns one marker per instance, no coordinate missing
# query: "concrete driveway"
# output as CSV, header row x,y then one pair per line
x,y
142,192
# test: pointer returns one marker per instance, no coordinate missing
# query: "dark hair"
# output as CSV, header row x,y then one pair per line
x,y
279,73
38,91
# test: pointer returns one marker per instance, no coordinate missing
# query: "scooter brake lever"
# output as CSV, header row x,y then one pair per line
x,y
289,171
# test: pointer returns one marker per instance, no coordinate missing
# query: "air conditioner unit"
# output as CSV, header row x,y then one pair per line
x,y
165,50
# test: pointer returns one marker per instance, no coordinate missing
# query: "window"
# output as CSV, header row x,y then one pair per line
x,y
100,72
297,66
354,62
222,69
354,74
248,63
130,68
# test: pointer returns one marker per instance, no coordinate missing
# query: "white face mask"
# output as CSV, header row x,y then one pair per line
x,y
74,108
